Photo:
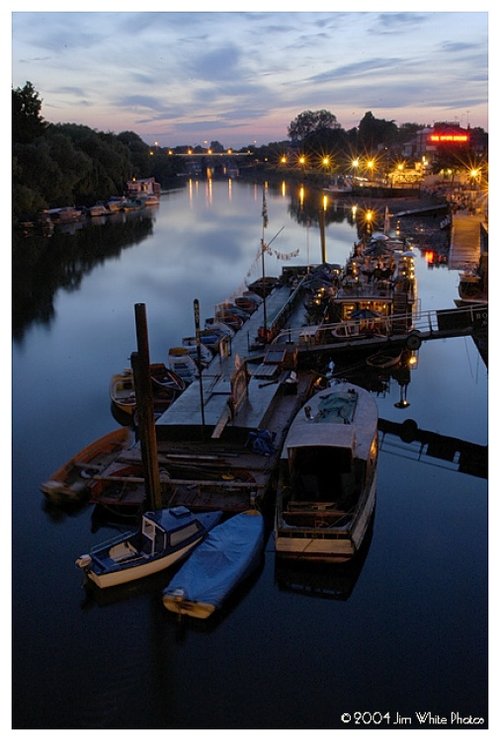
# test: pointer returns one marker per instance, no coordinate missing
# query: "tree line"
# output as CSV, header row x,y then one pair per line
x,y
70,164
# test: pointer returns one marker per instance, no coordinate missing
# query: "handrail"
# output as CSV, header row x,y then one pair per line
x,y
422,321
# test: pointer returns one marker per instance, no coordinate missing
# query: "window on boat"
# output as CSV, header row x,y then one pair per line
x,y
321,473
148,528
183,533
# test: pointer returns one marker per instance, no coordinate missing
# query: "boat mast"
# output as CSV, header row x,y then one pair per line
x,y
263,248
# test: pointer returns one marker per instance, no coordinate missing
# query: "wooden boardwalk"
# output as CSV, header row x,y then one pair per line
x,y
465,241
216,378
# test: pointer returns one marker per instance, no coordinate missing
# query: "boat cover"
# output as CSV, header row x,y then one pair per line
x,y
228,554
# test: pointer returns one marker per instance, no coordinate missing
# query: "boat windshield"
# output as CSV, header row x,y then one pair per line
x,y
184,533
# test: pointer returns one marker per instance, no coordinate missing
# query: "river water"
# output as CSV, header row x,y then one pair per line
x,y
402,634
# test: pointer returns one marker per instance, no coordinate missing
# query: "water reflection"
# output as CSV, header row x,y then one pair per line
x,y
41,265
323,580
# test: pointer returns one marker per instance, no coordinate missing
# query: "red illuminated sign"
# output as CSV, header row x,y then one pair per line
x,y
449,138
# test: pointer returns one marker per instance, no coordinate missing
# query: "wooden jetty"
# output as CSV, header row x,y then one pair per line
x,y
422,211
465,240
218,444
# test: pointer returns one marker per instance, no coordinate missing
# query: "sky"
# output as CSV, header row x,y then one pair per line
x,y
241,77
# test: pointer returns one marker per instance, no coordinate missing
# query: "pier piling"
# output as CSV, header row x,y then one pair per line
x,y
144,400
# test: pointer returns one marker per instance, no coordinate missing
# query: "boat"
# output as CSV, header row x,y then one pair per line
x,y
115,204
206,356
97,210
227,556
473,284
389,357
122,391
166,385
182,363
149,199
72,481
63,215
327,479
375,295
164,537
120,487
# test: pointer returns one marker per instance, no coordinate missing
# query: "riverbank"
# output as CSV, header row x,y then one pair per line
x,y
396,199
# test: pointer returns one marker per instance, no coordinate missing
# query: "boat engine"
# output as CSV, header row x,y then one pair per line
x,y
84,562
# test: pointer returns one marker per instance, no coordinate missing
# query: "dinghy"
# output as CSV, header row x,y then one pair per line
x,y
164,537
229,553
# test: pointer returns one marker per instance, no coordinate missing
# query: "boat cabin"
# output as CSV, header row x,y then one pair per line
x,y
159,531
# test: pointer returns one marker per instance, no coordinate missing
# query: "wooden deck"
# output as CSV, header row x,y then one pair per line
x,y
465,241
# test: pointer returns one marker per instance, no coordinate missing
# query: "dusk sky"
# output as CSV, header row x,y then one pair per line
x,y
240,77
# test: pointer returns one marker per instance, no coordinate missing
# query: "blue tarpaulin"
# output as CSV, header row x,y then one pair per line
x,y
228,554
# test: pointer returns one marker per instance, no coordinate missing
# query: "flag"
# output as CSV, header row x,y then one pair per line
x,y
264,209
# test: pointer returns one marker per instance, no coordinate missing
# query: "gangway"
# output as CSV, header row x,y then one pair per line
x,y
465,241
427,325
428,447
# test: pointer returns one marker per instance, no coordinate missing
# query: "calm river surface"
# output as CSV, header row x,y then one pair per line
x,y
405,632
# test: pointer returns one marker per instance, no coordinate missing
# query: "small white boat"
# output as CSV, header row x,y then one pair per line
x,y
165,536
149,199
63,215
205,355
227,556
166,386
327,482
181,362
388,357
97,210
115,204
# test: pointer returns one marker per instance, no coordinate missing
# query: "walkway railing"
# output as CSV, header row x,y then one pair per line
x,y
431,324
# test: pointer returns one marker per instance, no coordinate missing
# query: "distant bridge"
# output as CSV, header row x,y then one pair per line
x,y
214,154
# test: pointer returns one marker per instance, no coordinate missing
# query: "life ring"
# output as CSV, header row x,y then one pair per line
x,y
413,341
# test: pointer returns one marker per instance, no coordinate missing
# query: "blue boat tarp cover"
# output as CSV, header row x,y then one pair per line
x,y
228,554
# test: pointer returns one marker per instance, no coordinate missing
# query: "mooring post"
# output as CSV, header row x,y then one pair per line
x,y
196,309
144,401
322,234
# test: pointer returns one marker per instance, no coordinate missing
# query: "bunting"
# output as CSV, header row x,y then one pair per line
x,y
265,248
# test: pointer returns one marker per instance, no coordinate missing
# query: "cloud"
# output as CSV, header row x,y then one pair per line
x,y
356,69
146,71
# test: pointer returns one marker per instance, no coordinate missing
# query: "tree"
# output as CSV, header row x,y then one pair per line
x,y
373,132
27,122
309,121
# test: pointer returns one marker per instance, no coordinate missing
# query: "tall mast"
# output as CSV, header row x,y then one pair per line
x,y
265,221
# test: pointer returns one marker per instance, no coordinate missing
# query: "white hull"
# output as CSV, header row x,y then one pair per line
x,y
319,548
143,569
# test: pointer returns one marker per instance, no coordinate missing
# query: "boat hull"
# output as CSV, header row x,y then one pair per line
x,y
165,537
141,570
73,481
336,546
327,482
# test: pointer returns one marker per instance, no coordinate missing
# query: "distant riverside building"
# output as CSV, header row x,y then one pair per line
x,y
145,186
430,140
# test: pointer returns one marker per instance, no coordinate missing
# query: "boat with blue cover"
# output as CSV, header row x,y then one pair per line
x,y
164,537
327,481
229,554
